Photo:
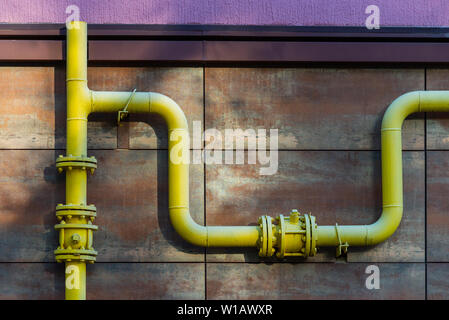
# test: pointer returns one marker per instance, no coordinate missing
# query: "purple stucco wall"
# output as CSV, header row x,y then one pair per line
x,y
233,12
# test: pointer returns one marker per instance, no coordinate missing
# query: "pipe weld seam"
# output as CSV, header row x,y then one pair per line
x,y
419,101
91,93
70,119
390,129
392,205
178,207
75,79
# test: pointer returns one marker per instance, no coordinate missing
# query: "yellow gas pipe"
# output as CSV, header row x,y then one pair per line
x,y
294,235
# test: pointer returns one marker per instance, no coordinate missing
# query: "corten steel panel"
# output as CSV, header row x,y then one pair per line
x,y
33,116
132,281
130,190
184,85
335,186
30,103
437,206
142,281
31,281
29,189
437,123
438,281
312,108
313,281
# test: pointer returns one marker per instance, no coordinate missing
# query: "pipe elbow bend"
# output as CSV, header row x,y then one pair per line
x,y
187,228
385,226
400,108
168,109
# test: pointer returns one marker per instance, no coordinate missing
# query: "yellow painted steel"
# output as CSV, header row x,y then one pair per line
x,y
392,189
75,280
294,235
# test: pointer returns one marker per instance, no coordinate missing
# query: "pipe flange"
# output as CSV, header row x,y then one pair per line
x,y
76,226
267,239
70,162
270,238
81,211
311,235
75,252
263,238
281,236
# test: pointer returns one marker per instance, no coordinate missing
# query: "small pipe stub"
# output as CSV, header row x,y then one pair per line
x,y
295,235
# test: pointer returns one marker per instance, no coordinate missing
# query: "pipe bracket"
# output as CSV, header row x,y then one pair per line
x,y
342,248
122,114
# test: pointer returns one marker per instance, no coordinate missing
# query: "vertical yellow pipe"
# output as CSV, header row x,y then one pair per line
x,y
392,202
75,280
78,106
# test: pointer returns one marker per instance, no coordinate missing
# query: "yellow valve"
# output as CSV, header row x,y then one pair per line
x,y
293,235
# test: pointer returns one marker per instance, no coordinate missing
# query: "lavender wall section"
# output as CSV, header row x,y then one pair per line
x,y
232,12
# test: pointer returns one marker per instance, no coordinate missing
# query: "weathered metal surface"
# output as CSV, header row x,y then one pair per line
x,y
29,190
437,123
438,281
33,101
437,206
28,103
184,85
335,186
129,189
313,281
134,281
130,186
312,108
137,281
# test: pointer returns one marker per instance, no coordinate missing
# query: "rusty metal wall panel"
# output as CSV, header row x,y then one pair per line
x,y
141,281
438,281
437,123
313,281
130,186
33,100
312,108
134,281
29,189
184,85
28,103
437,206
129,189
336,186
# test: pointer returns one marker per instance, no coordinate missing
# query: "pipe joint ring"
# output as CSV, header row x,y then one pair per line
x,y
76,162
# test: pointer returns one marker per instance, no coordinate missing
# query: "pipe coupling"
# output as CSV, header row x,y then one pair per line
x,y
285,236
75,233
73,162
